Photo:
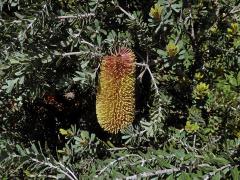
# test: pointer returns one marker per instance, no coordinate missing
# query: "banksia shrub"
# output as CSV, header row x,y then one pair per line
x,y
115,103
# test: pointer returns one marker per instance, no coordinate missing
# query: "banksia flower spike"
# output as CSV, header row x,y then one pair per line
x,y
115,104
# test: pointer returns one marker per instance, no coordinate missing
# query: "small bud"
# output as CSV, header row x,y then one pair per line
x,y
237,134
191,128
213,29
156,11
172,49
198,76
201,90
233,30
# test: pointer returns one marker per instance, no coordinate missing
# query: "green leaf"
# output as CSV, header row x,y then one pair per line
x,y
177,7
162,53
18,15
184,176
85,135
20,150
34,148
235,173
219,161
179,153
21,80
75,79
10,85
93,136
61,176
47,60
217,176
171,177
207,168
164,164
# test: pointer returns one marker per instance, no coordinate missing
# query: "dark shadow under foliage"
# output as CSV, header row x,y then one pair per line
x,y
47,115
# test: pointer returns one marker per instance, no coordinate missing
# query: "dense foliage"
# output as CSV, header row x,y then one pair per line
x,y
187,117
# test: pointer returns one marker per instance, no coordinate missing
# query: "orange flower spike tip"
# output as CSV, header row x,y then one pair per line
x,y
115,104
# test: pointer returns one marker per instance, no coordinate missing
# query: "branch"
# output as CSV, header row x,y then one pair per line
x,y
149,174
235,10
151,75
80,53
113,162
88,43
80,16
123,10
209,175
71,176
120,148
73,53
68,170
192,26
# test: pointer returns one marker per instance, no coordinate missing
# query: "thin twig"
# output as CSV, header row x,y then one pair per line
x,y
209,175
70,176
153,80
194,141
143,162
124,11
71,172
151,75
34,176
192,26
88,43
235,10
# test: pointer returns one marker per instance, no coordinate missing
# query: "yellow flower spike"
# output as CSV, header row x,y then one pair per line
x,y
156,11
171,49
115,103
